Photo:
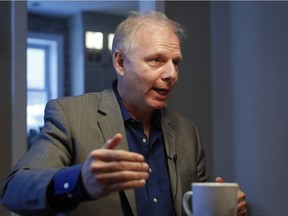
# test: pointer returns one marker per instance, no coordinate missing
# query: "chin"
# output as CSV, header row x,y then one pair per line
x,y
159,105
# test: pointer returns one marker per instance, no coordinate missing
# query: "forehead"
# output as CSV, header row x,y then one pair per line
x,y
153,36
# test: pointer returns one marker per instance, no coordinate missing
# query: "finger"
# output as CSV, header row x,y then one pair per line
x,y
123,186
241,195
241,205
120,177
242,209
242,212
102,167
109,155
219,180
113,142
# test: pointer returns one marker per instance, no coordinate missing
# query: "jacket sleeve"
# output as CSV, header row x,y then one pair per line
x,y
25,188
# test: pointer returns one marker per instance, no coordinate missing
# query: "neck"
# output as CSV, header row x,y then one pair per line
x,y
138,113
141,115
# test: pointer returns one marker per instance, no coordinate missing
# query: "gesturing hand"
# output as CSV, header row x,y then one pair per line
x,y
107,170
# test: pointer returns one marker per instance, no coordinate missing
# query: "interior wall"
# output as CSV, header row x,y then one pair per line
x,y
222,94
5,94
13,30
237,84
192,94
233,84
250,85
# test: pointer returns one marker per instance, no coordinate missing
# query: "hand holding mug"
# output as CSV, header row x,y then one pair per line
x,y
241,206
211,199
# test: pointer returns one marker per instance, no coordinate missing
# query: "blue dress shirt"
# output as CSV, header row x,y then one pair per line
x,y
156,197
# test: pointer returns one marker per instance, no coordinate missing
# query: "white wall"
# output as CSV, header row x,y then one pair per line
x,y
250,104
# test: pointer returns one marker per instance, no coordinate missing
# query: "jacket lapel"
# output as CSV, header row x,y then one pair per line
x,y
112,123
170,148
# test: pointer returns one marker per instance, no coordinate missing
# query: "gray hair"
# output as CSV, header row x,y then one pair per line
x,y
126,29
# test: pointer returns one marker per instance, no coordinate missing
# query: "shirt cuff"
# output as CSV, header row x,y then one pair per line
x,y
66,190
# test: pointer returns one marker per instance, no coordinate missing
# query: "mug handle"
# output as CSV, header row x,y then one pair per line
x,y
185,202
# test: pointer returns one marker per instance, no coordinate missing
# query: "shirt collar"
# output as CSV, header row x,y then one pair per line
x,y
125,114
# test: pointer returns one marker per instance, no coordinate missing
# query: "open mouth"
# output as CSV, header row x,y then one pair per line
x,y
161,91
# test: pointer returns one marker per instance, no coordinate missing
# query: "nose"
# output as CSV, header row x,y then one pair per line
x,y
170,71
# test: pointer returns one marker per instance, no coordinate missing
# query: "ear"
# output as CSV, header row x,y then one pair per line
x,y
119,62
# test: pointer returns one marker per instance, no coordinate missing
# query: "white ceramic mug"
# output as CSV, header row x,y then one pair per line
x,y
211,199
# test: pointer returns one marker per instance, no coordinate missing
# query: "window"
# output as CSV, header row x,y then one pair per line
x,y
38,90
94,40
110,41
44,74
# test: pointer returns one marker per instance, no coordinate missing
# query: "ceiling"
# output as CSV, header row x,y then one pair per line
x,y
68,8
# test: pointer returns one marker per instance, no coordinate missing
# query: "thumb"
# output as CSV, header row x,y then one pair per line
x,y
219,180
113,142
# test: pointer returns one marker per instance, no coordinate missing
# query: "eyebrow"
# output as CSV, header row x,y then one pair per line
x,y
163,54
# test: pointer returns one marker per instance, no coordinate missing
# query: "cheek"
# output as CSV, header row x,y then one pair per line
x,y
141,77
144,78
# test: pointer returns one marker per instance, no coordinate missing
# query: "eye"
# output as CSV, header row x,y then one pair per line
x,y
156,59
176,62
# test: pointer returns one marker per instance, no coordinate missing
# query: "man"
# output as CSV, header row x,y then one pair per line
x,y
150,161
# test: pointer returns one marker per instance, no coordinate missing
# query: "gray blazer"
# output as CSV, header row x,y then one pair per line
x,y
74,126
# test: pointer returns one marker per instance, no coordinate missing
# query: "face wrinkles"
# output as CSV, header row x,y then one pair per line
x,y
162,55
151,69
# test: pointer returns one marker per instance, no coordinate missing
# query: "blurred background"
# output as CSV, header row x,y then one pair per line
x,y
233,80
